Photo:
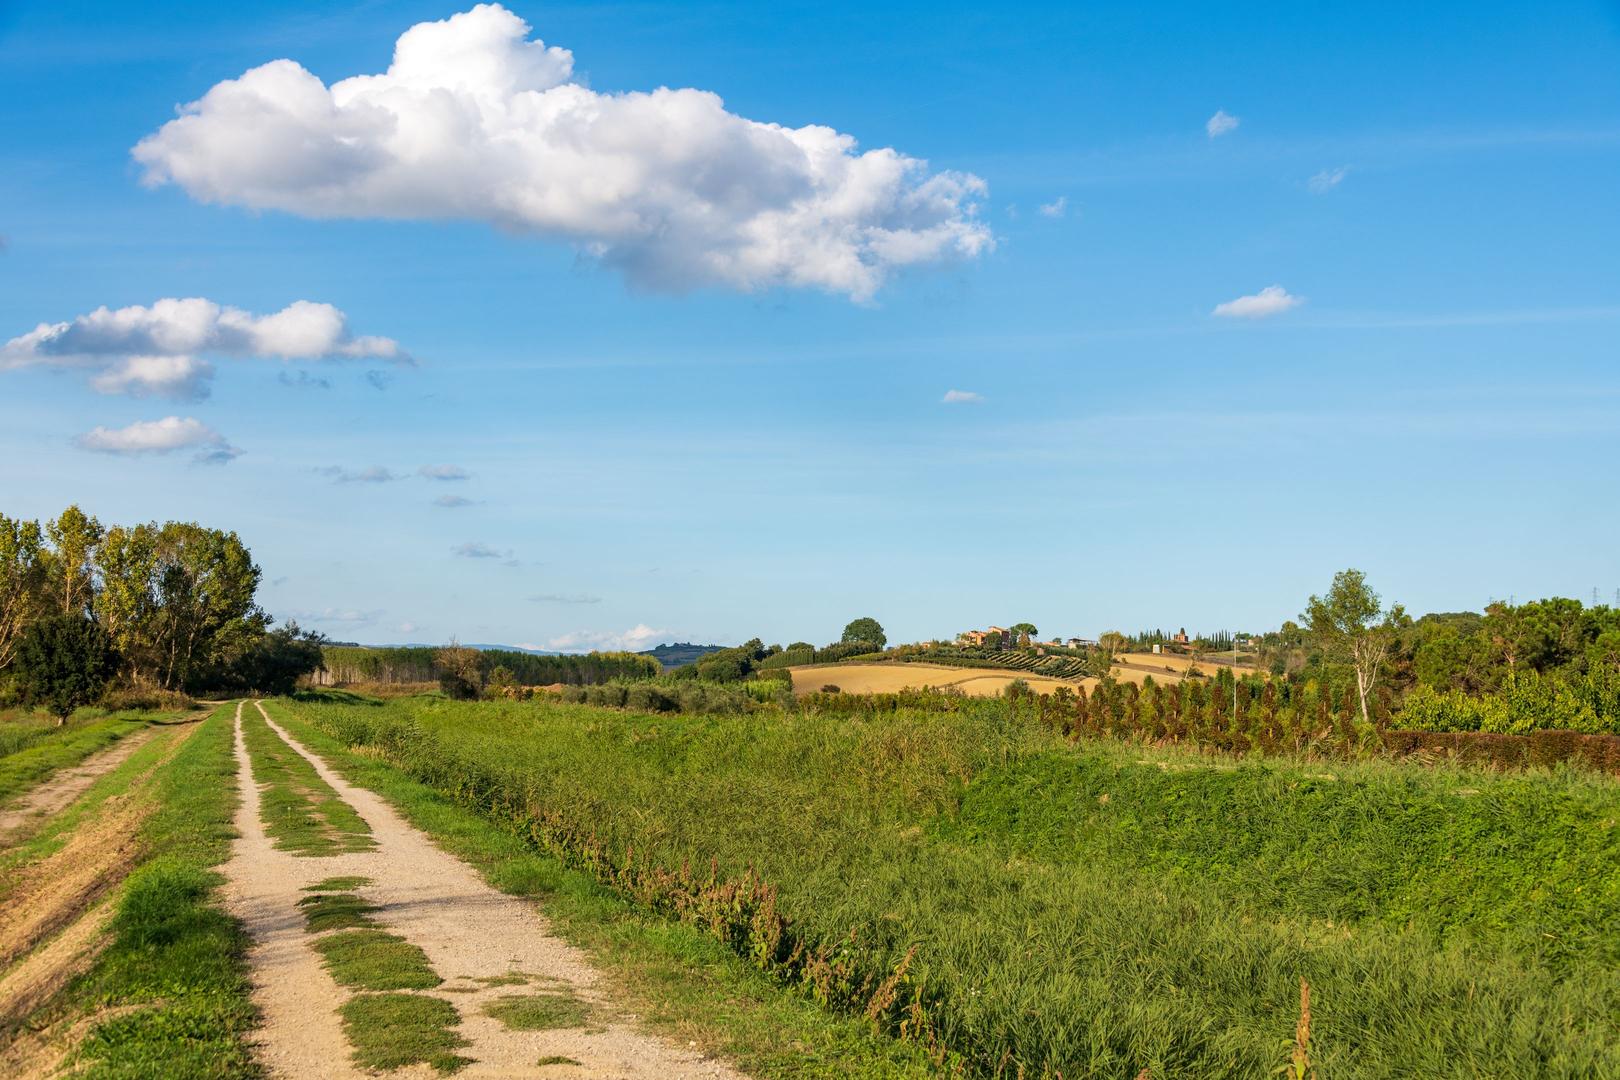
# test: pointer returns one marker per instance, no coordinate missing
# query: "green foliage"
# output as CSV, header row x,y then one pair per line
x,y
63,662
953,874
728,665
799,653
176,601
271,662
22,580
866,631
1527,702
419,663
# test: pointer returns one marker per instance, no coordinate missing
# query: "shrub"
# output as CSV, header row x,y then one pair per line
x,y
457,687
643,697
63,662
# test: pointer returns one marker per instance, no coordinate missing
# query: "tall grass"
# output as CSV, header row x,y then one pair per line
x,y
957,877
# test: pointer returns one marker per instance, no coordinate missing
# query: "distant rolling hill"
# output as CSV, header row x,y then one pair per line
x,y
674,656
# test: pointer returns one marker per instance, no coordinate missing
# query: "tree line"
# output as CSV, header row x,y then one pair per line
x,y
479,668
171,607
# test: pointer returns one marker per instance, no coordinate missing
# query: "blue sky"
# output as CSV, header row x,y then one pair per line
x,y
660,455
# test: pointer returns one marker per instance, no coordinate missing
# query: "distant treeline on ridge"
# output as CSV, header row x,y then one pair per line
x,y
420,664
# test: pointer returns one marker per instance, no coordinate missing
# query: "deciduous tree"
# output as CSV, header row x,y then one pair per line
x,y
867,630
74,536
22,573
1350,624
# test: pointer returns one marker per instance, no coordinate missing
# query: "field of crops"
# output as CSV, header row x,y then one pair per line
x,y
1026,906
1053,666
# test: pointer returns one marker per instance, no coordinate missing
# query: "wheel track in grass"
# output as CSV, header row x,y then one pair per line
x,y
474,937
24,815
56,908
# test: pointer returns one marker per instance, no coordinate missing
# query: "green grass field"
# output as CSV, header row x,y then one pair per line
x,y
1015,903
681,981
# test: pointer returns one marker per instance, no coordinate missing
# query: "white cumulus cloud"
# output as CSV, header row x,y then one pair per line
x,y
184,378
472,120
962,397
1271,300
162,437
638,637
1221,123
154,351
1056,208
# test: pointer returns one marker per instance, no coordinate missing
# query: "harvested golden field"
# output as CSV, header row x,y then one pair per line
x,y
1173,667
890,678
887,678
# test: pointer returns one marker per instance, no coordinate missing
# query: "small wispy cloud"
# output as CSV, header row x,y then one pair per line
x,y
452,502
303,381
565,598
962,397
376,474
474,550
1056,208
1221,123
334,616
1272,300
1328,179
443,472
162,437
379,379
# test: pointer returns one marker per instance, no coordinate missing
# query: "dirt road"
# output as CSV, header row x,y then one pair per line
x,y
483,943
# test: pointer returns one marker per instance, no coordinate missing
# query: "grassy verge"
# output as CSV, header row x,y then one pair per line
x,y
682,982
392,1031
61,748
174,974
301,812
934,869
